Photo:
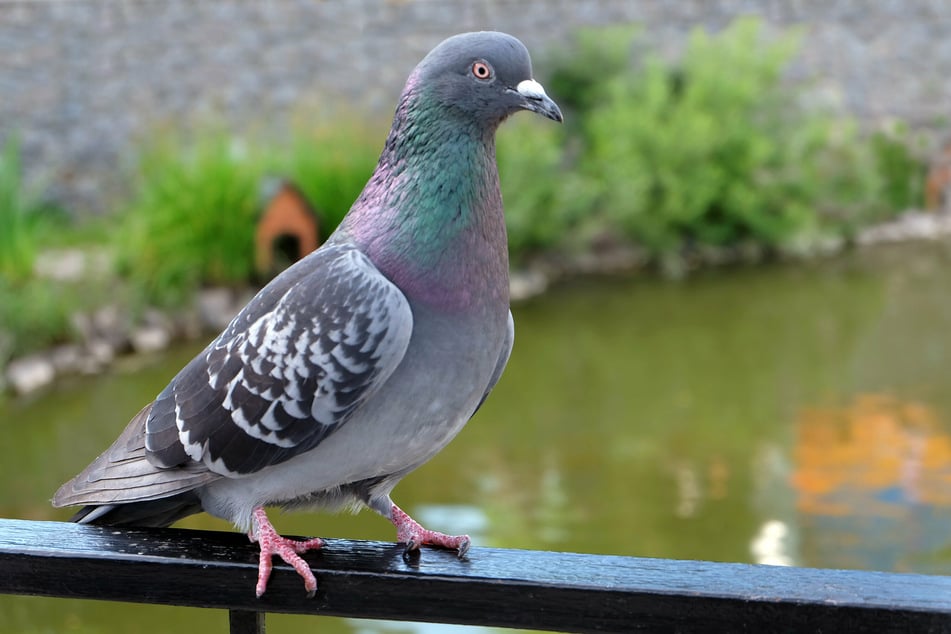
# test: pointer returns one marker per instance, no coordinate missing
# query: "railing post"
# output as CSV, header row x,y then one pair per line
x,y
245,622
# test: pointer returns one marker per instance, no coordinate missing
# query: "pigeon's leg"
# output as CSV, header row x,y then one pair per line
x,y
287,549
409,531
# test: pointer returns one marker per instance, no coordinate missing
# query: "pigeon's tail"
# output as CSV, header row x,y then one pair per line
x,y
122,488
153,513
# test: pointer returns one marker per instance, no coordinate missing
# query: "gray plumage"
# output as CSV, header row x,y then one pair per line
x,y
364,359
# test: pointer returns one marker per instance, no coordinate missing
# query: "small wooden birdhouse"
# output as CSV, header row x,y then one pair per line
x,y
287,229
938,183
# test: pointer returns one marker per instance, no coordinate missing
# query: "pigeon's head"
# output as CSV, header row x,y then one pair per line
x,y
484,76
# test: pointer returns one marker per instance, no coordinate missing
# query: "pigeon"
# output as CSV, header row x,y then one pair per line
x,y
361,361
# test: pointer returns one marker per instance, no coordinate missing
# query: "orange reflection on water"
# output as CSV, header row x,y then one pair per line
x,y
874,457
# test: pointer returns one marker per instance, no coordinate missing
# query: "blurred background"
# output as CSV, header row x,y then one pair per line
x,y
729,265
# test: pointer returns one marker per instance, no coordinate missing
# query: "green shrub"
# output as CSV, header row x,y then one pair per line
x,y
20,218
34,316
904,174
530,159
195,203
578,72
191,220
713,150
704,153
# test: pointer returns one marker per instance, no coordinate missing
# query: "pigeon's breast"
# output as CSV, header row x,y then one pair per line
x,y
431,395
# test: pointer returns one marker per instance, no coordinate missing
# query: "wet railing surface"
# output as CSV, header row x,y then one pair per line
x,y
495,587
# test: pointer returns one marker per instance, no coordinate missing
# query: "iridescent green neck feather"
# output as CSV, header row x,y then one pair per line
x,y
430,217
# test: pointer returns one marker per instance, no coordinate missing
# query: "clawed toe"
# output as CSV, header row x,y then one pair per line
x,y
409,532
463,548
287,549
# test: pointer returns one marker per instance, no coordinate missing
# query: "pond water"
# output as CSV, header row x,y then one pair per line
x,y
788,414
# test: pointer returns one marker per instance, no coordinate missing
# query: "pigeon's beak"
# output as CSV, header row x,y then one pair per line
x,y
535,99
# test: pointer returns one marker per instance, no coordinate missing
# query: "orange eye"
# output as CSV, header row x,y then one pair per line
x,y
481,70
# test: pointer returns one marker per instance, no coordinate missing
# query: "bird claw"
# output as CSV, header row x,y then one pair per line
x,y
411,533
287,549
462,550
411,554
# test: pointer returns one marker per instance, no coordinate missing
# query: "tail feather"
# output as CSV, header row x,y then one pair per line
x,y
132,489
152,513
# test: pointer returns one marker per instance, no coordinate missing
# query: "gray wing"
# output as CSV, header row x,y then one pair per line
x,y
288,371
277,382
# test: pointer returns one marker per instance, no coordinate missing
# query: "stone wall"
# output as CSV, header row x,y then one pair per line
x,y
81,80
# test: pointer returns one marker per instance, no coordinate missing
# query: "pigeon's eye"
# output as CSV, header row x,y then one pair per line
x,y
481,70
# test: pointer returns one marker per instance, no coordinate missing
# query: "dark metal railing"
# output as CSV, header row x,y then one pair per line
x,y
567,592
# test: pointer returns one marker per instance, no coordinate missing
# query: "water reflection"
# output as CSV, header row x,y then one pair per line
x,y
454,519
400,627
873,484
771,545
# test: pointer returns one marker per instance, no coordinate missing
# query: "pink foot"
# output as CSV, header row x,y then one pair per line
x,y
409,531
287,549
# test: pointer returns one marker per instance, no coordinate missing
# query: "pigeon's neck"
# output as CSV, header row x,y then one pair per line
x,y
431,217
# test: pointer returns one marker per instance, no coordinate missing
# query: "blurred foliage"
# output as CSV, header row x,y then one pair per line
x,y
530,155
192,218
898,162
712,150
577,74
34,312
703,152
23,218
33,316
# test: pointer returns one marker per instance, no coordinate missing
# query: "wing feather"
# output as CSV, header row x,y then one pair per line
x,y
280,380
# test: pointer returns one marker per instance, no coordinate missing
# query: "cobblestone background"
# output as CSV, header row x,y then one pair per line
x,y
80,80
